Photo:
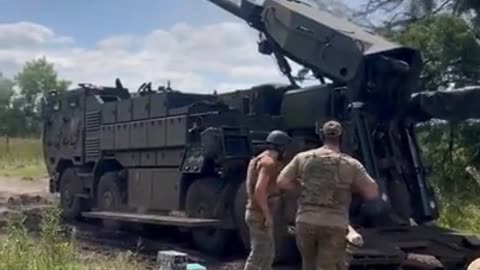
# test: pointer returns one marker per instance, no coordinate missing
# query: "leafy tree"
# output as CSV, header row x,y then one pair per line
x,y
37,78
450,50
6,92
8,119
404,12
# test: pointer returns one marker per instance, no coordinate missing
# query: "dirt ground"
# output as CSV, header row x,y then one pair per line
x,y
15,187
19,195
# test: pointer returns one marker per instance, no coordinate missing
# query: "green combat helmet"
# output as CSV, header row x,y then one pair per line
x,y
278,140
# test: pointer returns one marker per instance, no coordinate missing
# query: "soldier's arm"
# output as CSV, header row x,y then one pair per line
x,y
287,179
363,182
265,175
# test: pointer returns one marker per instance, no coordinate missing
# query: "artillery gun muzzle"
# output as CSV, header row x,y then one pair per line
x,y
230,6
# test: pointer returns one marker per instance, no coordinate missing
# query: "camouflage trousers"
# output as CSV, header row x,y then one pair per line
x,y
322,248
262,245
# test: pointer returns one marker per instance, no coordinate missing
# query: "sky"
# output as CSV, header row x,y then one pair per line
x,y
192,43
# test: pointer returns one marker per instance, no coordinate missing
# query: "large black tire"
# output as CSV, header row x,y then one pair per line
x,y
201,202
110,198
239,216
285,246
70,186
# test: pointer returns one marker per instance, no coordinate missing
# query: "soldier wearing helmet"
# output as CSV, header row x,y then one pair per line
x,y
263,198
326,177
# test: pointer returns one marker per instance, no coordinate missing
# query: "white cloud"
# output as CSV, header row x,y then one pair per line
x,y
24,34
195,58
120,42
29,35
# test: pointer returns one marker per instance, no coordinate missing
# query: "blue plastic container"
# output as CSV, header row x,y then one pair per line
x,y
195,266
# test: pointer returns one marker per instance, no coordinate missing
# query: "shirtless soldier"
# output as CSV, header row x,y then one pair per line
x,y
327,179
262,200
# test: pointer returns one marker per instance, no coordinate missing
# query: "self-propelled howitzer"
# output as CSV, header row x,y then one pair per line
x,y
167,157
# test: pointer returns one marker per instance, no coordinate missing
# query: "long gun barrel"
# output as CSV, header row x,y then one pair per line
x,y
230,6
245,10
454,105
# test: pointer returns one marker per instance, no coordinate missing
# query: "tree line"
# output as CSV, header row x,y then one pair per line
x,y
20,98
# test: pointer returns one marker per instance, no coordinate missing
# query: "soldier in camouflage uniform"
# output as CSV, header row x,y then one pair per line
x,y
263,199
327,179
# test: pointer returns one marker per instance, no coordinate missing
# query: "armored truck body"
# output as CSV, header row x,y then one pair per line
x,y
91,132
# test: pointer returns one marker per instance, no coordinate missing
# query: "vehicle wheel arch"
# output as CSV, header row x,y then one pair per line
x,y
61,166
110,184
186,182
195,199
103,167
69,186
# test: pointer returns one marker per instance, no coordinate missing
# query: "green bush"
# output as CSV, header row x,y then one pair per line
x,y
48,251
449,150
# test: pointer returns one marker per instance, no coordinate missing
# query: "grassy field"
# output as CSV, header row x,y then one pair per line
x,y
51,249
460,213
21,158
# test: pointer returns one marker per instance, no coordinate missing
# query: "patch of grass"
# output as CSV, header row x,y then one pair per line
x,y
124,261
461,215
20,251
21,157
30,171
50,250
20,149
